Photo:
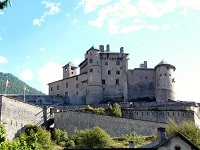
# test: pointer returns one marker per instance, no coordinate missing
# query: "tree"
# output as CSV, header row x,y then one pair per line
x,y
93,138
60,137
187,128
4,4
115,110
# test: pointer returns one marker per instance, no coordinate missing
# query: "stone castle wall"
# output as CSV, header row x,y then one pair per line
x,y
72,120
17,114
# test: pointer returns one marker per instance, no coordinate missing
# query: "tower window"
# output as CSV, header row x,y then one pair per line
x,y
91,61
106,63
57,87
109,72
66,85
117,62
51,88
103,82
117,72
77,85
76,77
91,70
117,81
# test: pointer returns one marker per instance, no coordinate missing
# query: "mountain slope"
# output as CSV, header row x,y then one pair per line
x,y
16,85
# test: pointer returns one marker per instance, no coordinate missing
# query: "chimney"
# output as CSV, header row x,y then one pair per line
x,y
101,48
108,48
161,135
122,50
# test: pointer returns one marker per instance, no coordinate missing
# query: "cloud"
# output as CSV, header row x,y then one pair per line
x,y
75,21
119,15
1,12
1,38
53,9
3,59
91,5
26,74
42,49
50,72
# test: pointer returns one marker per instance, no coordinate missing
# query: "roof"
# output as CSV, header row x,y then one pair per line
x,y
156,144
164,63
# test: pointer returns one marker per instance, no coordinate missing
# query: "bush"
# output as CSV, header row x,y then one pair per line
x,y
60,137
115,110
93,138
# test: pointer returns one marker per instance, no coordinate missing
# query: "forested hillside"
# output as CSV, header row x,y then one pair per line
x,y
16,86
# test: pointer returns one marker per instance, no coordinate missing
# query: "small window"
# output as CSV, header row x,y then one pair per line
x,y
51,88
91,61
117,62
57,87
76,93
77,85
76,77
106,63
103,81
160,75
109,72
91,70
165,74
66,85
117,81
66,94
117,72
146,78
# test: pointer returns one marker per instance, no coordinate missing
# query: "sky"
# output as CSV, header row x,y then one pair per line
x,y
38,37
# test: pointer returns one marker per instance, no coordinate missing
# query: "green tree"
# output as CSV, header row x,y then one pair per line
x,y
115,110
187,128
60,137
93,138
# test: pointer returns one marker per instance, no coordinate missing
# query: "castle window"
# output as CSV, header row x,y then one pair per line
x,y
66,94
146,78
91,70
76,77
66,85
76,93
117,72
103,82
91,61
117,62
57,87
51,88
117,81
165,74
77,85
109,72
106,63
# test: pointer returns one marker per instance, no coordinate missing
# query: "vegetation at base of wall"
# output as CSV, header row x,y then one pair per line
x,y
16,86
187,128
113,110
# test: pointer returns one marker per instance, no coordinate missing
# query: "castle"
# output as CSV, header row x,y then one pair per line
x,y
104,77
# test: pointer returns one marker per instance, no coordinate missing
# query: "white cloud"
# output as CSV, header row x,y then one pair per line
x,y
53,8
193,4
1,38
1,12
42,49
50,72
91,5
38,22
3,59
75,21
26,74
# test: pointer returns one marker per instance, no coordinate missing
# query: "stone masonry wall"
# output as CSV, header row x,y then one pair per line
x,y
71,120
17,114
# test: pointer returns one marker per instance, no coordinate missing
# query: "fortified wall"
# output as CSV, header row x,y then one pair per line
x,y
17,114
72,120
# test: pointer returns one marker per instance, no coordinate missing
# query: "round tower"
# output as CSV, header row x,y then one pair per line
x,y
94,88
165,82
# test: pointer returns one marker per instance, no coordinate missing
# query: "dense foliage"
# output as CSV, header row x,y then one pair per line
x,y
187,128
112,110
16,85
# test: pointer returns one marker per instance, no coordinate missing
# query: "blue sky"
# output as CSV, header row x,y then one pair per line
x,y
38,37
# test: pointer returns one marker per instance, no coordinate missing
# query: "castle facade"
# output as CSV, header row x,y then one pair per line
x,y
104,77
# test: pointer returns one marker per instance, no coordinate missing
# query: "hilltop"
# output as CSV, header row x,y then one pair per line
x,y
16,85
